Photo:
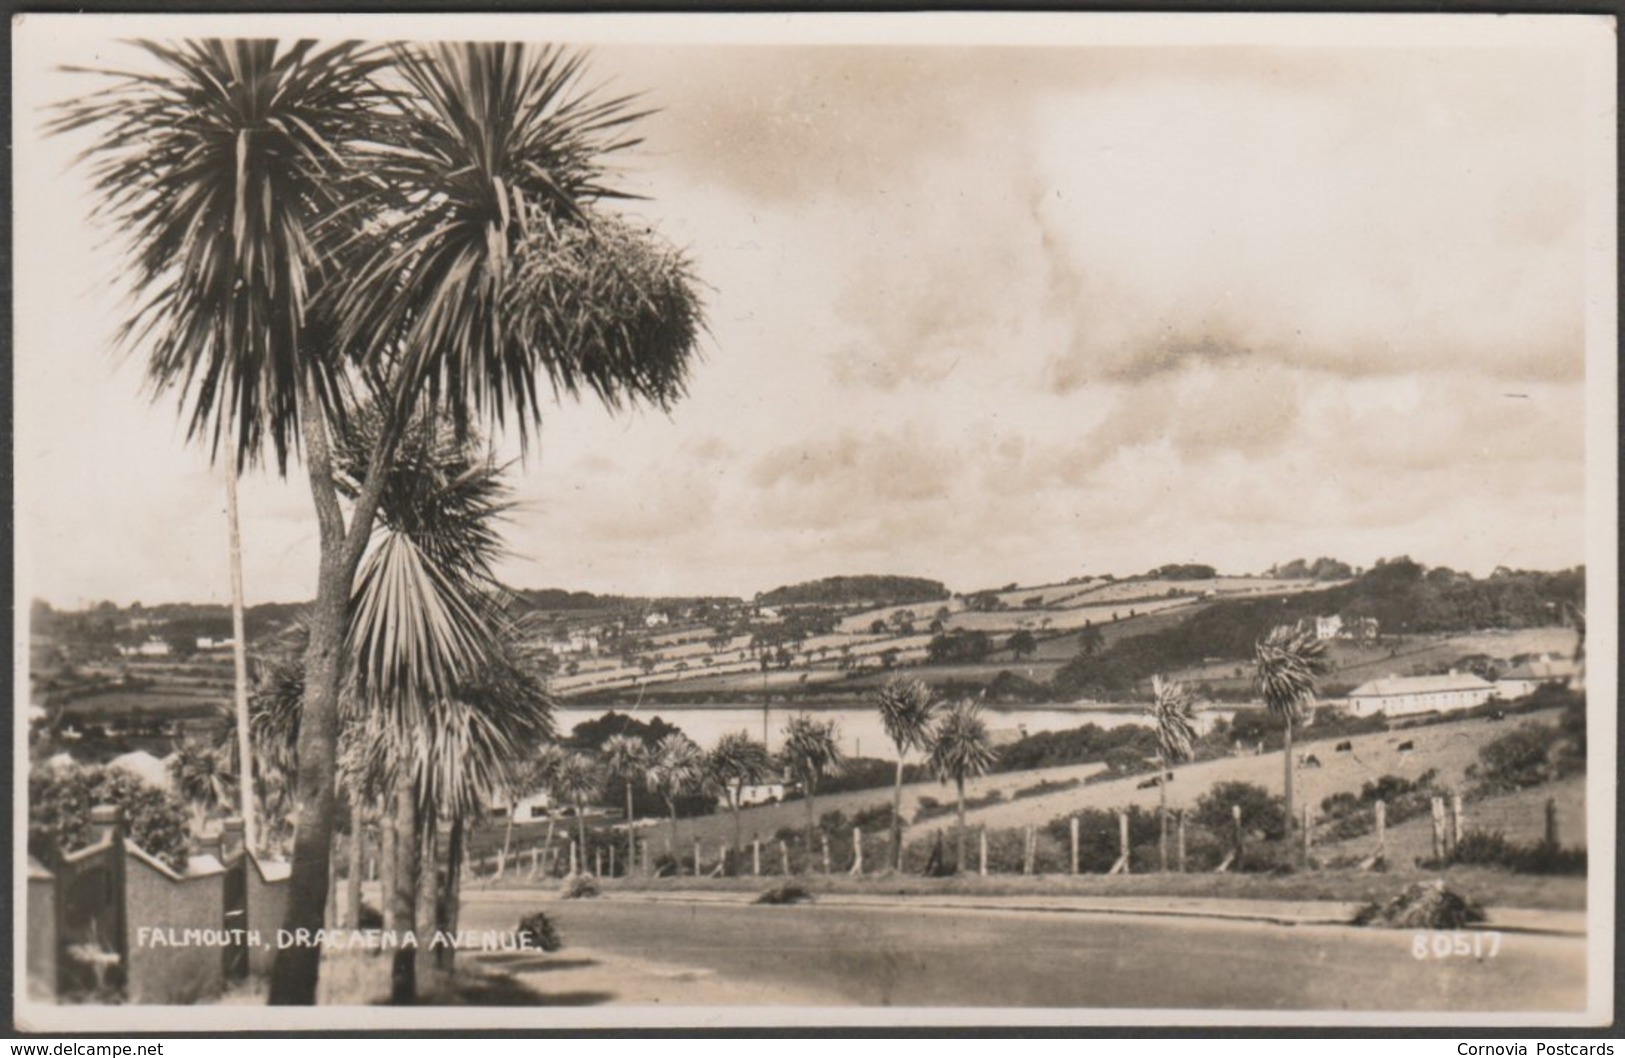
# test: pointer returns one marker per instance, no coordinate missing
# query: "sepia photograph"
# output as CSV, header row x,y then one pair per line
x,y
657,521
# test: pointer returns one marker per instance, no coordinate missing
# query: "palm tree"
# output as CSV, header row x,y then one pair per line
x,y
736,761
303,228
576,780
1175,724
1288,660
960,749
811,751
906,709
522,778
202,778
627,759
676,767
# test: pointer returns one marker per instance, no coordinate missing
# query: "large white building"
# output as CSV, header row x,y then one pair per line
x,y
1402,695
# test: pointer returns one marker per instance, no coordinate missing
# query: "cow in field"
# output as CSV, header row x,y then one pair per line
x,y
1155,780
1407,746
1345,747
1309,761
1497,715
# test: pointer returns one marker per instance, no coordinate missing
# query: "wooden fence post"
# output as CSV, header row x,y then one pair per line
x,y
823,842
756,857
598,863
1181,844
981,843
1551,823
1457,822
1437,805
1122,865
784,858
1029,859
857,850
697,858
612,861
1074,844
1308,830
574,861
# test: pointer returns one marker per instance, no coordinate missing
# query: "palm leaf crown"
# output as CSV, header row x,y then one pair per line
x,y
1174,718
961,746
491,271
738,760
811,748
225,168
906,709
1289,659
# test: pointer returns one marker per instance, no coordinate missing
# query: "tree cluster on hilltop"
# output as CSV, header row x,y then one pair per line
x,y
878,590
1403,597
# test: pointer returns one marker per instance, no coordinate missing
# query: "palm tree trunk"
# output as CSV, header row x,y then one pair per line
x,y
897,817
402,901
733,803
386,858
1162,813
424,915
581,829
631,835
352,877
547,846
811,809
671,803
239,663
1287,750
507,840
451,893
959,863
296,969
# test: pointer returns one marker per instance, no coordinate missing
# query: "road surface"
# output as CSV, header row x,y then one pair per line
x,y
906,956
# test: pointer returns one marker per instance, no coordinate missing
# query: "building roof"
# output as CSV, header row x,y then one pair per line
x,y
1392,686
1554,669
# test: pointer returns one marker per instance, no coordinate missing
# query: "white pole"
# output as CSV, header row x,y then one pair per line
x,y
239,657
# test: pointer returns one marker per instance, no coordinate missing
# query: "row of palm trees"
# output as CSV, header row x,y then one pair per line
x,y
321,238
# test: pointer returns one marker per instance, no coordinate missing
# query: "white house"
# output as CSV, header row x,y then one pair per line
x,y
757,794
152,648
1401,695
1328,627
655,620
1526,678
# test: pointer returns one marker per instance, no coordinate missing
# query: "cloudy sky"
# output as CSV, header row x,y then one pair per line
x,y
984,314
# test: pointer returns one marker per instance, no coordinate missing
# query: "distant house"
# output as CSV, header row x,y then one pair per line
x,y
1526,678
535,806
1328,627
656,620
215,642
152,648
756,794
1402,695
144,766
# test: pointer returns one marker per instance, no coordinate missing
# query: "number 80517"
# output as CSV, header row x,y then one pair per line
x,y
1456,945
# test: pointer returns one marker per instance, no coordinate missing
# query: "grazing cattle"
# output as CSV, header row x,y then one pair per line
x,y
1406,746
1149,783
1497,715
1309,761
1345,747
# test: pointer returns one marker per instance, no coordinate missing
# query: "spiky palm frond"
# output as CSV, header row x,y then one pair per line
x,y
225,169
738,760
425,597
533,774
960,745
676,767
811,748
1288,662
577,779
495,158
1174,719
626,758
201,774
906,710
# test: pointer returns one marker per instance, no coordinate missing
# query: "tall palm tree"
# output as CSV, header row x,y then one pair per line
x,y
906,710
676,767
1288,660
811,751
576,780
302,228
627,760
524,777
737,761
1175,722
960,749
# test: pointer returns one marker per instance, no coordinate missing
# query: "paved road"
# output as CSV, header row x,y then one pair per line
x,y
929,957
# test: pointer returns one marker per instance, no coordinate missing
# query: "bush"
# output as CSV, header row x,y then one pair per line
x,y
1520,758
579,887
872,819
788,893
1492,849
1099,842
60,800
1044,786
1422,906
537,931
371,917
1262,813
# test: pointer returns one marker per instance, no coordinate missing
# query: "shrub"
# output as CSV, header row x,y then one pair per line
x,y
537,931
579,887
1044,786
787,893
1262,813
1520,758
371,917
60,800
1422,906
1099,841
1492,849
874,818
